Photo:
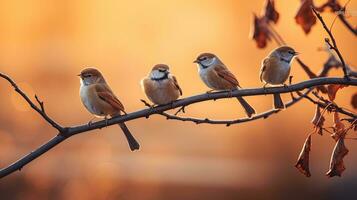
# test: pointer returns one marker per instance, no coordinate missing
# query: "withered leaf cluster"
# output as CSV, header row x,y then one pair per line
x,y
260,31
270,12
304,16
338,134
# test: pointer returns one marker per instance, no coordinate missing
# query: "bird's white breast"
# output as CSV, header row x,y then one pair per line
x,y
280,74
203,72
86,100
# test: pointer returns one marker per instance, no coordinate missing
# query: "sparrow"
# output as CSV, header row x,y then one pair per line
x,y
160,86
218,77
100,100
275,70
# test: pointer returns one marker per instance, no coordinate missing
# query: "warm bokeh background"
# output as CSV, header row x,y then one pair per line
x,y
45,43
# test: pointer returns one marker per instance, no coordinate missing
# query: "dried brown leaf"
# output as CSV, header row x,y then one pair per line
x,y
304,16
260,31
270,12
338,127
354,101
318,120
302,163
332,90
336,162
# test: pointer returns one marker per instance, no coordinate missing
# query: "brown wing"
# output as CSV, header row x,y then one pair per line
x,y
177,85
262,69
106,94
224,73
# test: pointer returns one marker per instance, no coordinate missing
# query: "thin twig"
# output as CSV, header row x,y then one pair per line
x,y
182,109
33,106
341,16
339,12
320,97
263,115
331,107
334,45
146,103
347,24
40,103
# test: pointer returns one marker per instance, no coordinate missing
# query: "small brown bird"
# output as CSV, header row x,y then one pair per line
x,y
218,77
160,86
275,70
99,100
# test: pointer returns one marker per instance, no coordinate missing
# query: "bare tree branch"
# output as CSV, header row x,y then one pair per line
x,y
347,24
328,105
65,133
266,114
40,110
19,164
333,45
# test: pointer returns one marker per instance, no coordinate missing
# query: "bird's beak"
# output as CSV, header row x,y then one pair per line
x,y
195,61
296,53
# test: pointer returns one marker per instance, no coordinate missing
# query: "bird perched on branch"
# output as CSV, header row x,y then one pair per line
x,y
160,86
275,70
218,77
99,100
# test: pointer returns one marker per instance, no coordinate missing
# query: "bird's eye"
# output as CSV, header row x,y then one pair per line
x,y
162,70
87,75
291,52
204,58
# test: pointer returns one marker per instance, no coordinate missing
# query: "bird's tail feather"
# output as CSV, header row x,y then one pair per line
x,y
133,144
278,102
249,110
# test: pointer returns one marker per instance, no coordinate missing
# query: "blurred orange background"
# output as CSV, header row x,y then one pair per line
x,y
45,44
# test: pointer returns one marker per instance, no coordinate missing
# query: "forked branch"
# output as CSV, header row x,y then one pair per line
x,y
65,133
